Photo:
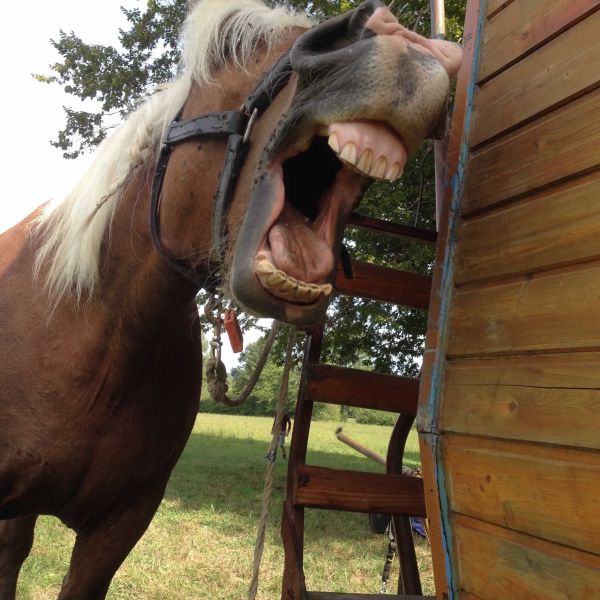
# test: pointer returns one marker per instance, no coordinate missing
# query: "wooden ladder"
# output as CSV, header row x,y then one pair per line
x,y
343,490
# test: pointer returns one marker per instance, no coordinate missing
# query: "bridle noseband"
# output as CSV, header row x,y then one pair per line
x,y
236,126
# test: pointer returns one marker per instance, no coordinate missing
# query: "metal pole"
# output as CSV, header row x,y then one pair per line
x,y
438,19
440,147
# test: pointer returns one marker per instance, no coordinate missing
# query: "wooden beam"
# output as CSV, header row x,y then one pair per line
x,y
548,398
554,147
354,491
294,585
495,6
494,562
385,284
393,229
524,25
547,492
554,74
550,311
556,227
364,389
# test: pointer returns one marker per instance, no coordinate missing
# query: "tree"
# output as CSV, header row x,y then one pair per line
x,y
119,78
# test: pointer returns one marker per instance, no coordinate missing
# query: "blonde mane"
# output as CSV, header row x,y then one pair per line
x,y
216,32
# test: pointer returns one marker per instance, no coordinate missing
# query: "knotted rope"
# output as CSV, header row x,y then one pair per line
x,y
216,373
268,487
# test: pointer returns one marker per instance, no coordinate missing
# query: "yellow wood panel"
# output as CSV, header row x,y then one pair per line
x,y
564,67
498,564
524,25
555,310
555,227
432,503
556,146
548,492
532,397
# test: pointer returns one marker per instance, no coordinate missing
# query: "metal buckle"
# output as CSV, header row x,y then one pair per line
x,y
250,125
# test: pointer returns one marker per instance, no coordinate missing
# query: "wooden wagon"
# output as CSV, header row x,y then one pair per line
x,y
509,399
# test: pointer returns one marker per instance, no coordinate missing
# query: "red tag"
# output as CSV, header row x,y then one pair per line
x,y
234,332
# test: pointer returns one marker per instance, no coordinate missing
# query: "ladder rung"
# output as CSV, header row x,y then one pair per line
x,y
393,229
354,491
385,284
364,389
342,596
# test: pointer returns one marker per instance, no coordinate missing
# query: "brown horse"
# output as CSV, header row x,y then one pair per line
x,y
100,358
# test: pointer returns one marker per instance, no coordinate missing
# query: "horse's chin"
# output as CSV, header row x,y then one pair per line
x,y
285,259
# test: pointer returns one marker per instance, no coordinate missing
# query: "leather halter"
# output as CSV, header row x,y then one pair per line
x,y
236,127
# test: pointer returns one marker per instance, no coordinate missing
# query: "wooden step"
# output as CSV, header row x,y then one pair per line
x,y
385,284
363,389
393,229
355,491
342,596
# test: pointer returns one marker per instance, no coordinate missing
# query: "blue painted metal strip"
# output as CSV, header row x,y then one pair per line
x,y
447,285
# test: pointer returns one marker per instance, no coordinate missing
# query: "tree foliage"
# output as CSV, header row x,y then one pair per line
x,y
383,336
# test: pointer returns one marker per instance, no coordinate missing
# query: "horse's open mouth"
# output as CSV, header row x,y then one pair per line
x,y
318,185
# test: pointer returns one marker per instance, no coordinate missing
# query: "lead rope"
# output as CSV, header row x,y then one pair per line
x,y
268,487
216,373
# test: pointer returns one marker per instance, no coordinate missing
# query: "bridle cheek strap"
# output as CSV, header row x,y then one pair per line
x,y
235,156
236,127
232,125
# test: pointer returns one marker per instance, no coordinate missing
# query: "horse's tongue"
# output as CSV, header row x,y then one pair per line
x,y
297,250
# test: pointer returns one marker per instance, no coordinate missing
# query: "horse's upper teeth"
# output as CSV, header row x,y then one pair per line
x,y
364,163
334,143
348,153
394,172
379,168
286,287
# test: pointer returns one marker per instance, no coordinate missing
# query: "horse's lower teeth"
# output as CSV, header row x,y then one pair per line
x,y
288,288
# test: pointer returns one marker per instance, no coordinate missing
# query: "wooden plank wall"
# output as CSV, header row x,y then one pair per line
x,y
516,381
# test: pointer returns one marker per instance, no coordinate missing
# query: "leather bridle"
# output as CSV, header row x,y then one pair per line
x,y
236,127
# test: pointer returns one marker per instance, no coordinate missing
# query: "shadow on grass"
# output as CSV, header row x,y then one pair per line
x,y
224,474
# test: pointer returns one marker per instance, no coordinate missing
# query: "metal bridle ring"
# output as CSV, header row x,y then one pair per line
x,y
250,125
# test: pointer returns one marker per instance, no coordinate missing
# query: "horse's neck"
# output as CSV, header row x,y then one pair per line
x,y
134,277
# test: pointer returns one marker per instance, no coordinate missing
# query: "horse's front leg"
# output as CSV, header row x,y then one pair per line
x,y
16,539
99,552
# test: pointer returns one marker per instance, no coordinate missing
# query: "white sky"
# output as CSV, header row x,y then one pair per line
x,y
31,170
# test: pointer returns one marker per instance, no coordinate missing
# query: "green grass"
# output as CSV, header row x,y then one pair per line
x,y
200,543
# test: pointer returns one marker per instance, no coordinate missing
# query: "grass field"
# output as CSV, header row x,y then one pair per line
x,y
200,543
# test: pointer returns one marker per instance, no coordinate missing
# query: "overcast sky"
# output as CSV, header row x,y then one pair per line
x,y
31,170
